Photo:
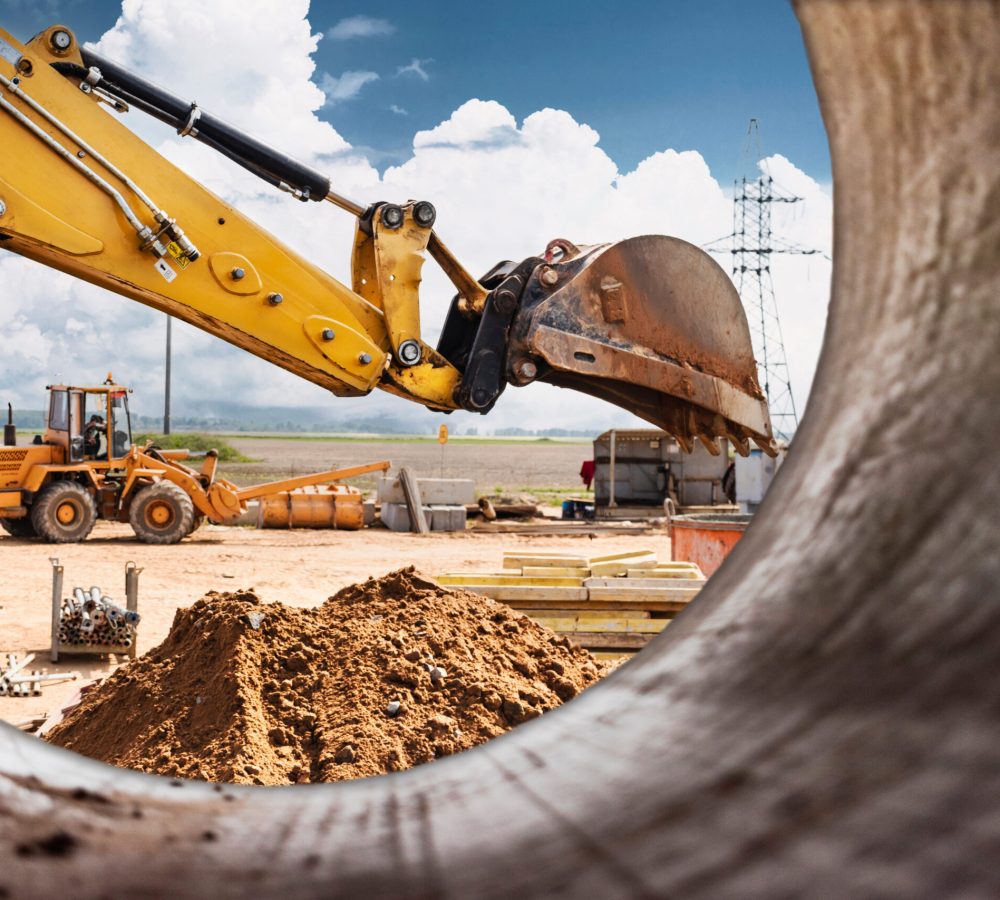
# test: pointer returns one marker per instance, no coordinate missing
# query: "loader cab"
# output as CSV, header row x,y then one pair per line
x,y
89,424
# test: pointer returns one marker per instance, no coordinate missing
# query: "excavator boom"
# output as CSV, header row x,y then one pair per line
x,y
651,324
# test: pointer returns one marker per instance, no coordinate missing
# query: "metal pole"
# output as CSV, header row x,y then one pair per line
x,y
611,495
132,600
57,587
166,384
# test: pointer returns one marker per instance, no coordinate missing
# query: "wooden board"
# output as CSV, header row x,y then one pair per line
x,y
558,527
556,571
539,595
608,569
612,655
519,560
630,584
612,624
588,613
472,580
660,572
527,604
618,641
642,594
619,557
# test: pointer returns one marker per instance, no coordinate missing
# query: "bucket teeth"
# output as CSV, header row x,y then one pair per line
x,y
710,443
767,446
740,442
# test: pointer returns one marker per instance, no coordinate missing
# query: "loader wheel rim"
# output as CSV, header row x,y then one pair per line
x,y
67,513
159,514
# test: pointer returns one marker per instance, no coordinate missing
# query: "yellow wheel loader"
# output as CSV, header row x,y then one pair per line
x,y
85,467
651,324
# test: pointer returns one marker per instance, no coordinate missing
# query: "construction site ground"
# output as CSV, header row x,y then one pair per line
x,y
300,568
495,464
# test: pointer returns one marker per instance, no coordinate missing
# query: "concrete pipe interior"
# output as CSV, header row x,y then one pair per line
x,y
825,718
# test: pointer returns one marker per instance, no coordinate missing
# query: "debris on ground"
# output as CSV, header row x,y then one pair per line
x,y
386,675
17,681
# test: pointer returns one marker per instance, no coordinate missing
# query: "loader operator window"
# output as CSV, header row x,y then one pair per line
x,y
121,427
59,411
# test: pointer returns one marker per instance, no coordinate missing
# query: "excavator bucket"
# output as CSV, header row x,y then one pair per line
x,y
651,324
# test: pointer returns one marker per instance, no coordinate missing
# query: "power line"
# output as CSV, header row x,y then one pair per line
x,y
751,245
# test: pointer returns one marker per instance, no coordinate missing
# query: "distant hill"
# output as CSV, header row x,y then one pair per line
x,y
234,417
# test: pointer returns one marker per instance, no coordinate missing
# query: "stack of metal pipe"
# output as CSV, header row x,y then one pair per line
x,y
14,682
89,619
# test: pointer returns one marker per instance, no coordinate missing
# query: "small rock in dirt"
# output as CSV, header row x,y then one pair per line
x,y
395,708
346,754
441,723
492,700
513,711
565,689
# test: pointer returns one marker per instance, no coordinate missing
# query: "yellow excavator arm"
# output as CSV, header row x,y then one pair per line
x,y
651,324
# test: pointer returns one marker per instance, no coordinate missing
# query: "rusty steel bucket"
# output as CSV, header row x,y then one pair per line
x,y
654,325
327,506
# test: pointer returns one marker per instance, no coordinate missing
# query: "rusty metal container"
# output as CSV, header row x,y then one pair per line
x,y
324,506
706,538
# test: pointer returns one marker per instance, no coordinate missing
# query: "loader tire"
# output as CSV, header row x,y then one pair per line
x,y
19,528
161,514
64,513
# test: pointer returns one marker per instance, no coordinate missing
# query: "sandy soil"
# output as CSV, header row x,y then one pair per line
x,y
300,568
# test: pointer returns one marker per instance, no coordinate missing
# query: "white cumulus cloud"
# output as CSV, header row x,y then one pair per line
x,y
360,27
346,86
417,67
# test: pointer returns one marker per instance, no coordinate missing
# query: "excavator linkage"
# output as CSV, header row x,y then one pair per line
x,y
651,324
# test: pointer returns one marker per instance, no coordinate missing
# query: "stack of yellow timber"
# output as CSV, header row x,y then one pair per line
x,y
612,605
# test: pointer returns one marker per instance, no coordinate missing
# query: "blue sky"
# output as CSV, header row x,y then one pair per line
x,y
645,75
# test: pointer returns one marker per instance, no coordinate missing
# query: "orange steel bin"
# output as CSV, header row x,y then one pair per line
x,y
706,539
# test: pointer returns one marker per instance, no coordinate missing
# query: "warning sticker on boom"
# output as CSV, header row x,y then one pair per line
x,y
9,53
165,269
178,254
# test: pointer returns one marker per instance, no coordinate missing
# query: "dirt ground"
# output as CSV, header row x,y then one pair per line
x,y
512,466
300,568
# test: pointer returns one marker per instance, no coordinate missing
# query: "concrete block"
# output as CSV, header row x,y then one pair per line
x,y
447,518
396,517
250,516
434,491
368,509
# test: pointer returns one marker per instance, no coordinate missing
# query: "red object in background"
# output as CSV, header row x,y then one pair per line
x,y
706,543
587,472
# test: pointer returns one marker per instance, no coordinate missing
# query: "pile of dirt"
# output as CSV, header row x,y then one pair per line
x,y
383,676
